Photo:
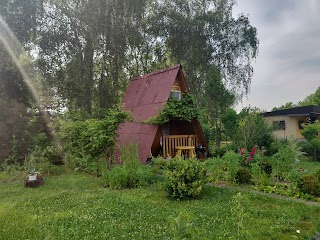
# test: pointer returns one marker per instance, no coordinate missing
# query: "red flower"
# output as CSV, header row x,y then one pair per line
x,y
242,151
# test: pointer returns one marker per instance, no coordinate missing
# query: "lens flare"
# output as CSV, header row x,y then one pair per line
x,y
16,50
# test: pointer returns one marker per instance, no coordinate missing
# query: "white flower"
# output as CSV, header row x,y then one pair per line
x,y
298,231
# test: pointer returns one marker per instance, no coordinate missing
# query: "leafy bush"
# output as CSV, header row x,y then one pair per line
x,y
232,165
243,176
219,152
159,164
266,167
275,146
216,170
309,184
86,141
255,130
282,163
287,158
310,132
185,179
309,150
294,177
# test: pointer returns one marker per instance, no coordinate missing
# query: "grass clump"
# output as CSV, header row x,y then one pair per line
x,y
131,173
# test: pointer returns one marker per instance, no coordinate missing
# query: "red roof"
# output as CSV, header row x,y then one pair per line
x,y
146,95
145,98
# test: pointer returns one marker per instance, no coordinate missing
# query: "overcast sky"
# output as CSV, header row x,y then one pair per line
x,y
288,65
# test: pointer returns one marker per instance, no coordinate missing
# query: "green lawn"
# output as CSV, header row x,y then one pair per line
x,y
76,206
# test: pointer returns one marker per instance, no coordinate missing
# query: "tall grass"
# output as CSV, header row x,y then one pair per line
x,y
131,173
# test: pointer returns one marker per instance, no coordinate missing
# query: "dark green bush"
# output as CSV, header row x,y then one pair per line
x,y
266,167
309,150
309,184
318,175
243,176
185,178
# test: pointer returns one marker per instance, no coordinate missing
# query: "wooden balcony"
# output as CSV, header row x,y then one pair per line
x,y
171,142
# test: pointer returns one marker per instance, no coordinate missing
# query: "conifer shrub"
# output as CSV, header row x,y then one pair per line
x,y
310,184
185,178
243,176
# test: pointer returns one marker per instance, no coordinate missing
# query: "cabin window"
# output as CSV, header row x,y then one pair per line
x,y
279,125
176,94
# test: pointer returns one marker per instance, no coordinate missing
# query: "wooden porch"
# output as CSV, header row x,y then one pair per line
x,y
171,142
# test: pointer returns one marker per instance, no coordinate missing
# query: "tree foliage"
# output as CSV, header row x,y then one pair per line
x,y
87,50
310,132
312,99
254,130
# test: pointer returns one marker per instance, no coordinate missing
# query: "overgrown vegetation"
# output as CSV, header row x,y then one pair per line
x,y
131,173
184,109
88,143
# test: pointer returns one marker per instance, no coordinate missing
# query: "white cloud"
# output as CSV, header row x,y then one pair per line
x,y
288,65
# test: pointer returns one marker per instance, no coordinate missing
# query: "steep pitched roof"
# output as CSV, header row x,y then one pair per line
x,y
146,95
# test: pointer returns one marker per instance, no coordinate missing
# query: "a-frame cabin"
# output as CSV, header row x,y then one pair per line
x,y
145,98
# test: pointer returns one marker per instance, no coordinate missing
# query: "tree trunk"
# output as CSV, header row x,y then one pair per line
x,y
218,135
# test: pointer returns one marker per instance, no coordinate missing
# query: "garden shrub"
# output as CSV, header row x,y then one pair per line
x,y
294,177
266,167
256,171
216,170
232,165
275,146
282,163
243,176
185,178
158,164
309,184
86,141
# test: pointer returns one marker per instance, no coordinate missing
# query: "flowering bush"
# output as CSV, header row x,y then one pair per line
x,y
247,156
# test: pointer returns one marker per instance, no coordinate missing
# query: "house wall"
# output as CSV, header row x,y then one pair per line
x,y
291,129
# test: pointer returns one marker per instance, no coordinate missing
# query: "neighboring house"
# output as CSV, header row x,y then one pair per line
x,y
288,122
145,98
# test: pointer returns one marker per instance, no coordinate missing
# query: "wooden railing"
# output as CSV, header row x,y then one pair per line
x,y
171,142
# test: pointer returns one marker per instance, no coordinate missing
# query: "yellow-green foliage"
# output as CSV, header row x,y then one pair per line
x,y
185,178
